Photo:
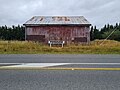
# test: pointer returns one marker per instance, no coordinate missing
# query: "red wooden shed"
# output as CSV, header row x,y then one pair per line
x,y
70,29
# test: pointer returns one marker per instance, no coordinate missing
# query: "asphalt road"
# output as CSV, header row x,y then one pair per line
x,y
59,80
16,58
86,66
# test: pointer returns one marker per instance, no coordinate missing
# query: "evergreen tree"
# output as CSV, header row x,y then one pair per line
x,y
119,26
91,34
108,28
111,27
104,29
12,33
96,33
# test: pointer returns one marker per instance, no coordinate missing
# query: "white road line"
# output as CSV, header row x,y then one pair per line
x,y
30,65
58,63
10,63
37,65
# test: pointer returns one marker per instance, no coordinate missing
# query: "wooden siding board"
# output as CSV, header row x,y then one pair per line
x,y
66,33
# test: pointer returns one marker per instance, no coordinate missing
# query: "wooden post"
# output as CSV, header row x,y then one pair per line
x,y
62,45
50,44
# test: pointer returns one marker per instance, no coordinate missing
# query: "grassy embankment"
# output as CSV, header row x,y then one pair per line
x,y
24,47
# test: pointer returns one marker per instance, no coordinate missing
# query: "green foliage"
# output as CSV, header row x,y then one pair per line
x,y
12,33
94,33
104,32
114,36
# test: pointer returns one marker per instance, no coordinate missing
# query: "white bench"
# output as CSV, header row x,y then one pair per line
x,y
56,42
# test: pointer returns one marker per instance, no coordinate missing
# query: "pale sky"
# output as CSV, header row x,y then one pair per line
x,y
97,12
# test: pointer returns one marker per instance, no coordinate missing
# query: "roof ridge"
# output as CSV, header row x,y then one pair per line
x,y
63,20
58,16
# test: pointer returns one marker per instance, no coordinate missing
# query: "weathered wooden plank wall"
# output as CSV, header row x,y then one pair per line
x,y
65,33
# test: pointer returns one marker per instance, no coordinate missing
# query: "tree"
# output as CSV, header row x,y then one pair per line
x,y
12,33
96,33
91,34
104,29
114,36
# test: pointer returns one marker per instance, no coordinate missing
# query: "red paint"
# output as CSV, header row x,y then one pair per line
x,y
64,33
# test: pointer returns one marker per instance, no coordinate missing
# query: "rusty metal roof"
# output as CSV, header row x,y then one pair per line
x,y
57,20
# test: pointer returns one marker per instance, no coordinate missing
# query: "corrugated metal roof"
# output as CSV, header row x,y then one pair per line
x,y
56,20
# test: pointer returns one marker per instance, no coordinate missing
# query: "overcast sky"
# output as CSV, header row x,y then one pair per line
x,y
97,12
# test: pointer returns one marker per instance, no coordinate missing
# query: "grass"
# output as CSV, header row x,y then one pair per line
x,y
24,47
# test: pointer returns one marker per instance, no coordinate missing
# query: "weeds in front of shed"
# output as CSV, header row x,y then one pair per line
x,y
25,47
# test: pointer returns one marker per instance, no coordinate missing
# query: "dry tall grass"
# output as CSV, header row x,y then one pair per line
x,y
25,47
